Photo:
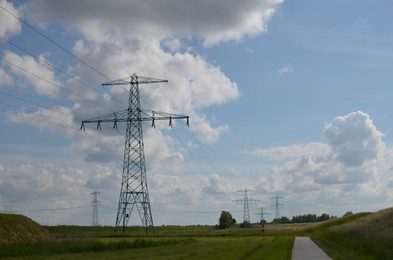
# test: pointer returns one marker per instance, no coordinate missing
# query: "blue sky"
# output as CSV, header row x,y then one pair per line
x,y
286,98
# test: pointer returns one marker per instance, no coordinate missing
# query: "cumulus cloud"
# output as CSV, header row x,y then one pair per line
x,y
9,25
148,38
27,180
212,21
348,160
59,119
39,75
215,184
354,139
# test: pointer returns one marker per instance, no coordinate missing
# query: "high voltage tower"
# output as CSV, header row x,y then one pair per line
x,y
262,214
95,203
134,191
277,205
245,201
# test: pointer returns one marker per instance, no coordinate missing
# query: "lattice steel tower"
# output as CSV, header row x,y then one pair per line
x,y
246,208
277,205
134,191
95,203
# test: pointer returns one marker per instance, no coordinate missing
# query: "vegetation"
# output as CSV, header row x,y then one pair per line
x,y
21,229
226,220
355,236
245,224
232,243
307,218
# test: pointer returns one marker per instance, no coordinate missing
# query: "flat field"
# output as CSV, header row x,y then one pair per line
x,y
359,236
193,242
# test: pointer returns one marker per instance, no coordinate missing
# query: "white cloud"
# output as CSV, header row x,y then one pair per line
x,y
212,21
294,151
215,184
286,69
354,139
9,25
193,83
5,78
58,119
38,71
146,38
351,159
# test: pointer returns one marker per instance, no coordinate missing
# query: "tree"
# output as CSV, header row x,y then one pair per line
x,y
245,224
226,220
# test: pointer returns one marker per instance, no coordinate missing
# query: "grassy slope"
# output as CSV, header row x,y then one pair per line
x,y
21,229
360,236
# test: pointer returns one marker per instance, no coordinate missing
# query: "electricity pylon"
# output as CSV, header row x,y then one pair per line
x,y
262,214
277,205
245,201
94,203
134,191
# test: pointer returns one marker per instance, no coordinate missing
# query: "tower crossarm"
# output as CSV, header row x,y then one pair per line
x,y
133,189
134,79
122,116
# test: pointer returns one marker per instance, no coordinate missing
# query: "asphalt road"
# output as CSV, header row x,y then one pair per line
x,y
305,249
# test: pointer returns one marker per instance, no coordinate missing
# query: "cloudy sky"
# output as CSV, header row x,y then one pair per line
x,y
285,98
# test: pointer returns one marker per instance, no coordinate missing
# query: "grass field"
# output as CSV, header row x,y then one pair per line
x,y
167,243
360,236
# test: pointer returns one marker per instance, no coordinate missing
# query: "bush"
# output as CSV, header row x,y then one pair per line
x,y
226,220
245,224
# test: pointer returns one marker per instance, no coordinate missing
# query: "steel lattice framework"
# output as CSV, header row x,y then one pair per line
x,y
246,208
134,190
95,203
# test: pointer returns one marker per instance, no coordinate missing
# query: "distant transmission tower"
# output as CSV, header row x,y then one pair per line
x,y
133,191
277,205
95,203
245,201
262,214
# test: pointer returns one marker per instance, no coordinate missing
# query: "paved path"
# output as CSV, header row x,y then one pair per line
x,y
305,249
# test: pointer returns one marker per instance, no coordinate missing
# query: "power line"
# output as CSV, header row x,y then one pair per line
x,y
73,77
53,42
53,84
42,210
134,189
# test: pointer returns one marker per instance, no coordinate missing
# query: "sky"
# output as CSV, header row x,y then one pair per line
x,y
286,98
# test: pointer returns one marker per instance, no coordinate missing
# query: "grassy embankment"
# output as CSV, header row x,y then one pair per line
x,y
359,236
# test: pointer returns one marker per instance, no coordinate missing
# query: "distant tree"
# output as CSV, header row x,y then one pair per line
x,y
245,224
282,220
310,218
323,217
226,220
348,213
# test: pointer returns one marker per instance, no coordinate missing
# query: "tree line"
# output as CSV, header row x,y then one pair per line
x,y
306,218
226,220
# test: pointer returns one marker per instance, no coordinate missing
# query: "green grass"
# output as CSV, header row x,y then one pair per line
x,y
211,247
19,229
66,246
360,236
